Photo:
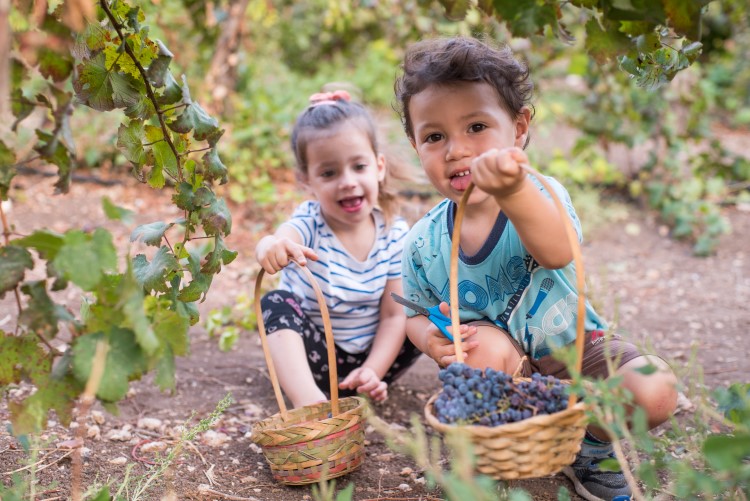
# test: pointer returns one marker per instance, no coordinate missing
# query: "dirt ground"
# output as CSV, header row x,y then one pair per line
x,y
652,286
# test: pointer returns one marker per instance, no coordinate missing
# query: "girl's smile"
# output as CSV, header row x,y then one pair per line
x,y
352,204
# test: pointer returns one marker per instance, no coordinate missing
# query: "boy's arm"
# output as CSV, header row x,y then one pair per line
x,y
535,217
539,225
430,341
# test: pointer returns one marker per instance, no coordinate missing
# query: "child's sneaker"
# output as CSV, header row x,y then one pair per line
x,y
590,482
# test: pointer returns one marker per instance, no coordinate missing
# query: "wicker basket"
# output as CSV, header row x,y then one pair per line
x,y
314,442
540,445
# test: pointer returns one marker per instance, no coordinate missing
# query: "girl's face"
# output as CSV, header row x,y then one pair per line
x,y
343,172
455,123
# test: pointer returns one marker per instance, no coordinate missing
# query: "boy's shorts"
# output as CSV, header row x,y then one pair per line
x,y
599,346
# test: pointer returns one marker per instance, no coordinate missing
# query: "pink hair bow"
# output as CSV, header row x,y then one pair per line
x,y
329,97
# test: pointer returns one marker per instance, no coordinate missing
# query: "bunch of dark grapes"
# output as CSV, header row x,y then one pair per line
x,y
492,398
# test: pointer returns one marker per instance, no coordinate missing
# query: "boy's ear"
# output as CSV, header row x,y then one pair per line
x,y
522,126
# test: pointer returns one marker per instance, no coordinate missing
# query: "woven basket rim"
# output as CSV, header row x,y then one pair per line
x,y
267,425
541,420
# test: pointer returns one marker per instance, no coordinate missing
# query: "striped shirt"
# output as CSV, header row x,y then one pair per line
x,y
352,288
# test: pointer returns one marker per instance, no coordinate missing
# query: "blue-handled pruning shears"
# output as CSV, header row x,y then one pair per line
x,y
432,313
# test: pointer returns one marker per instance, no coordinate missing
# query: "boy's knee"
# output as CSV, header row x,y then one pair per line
x,y
656,393
495,350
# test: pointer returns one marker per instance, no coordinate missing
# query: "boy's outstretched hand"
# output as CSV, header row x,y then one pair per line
x,y
441,349
499,172
274,253
365,380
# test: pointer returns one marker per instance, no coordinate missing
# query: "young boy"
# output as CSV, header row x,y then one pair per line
x,y
465,107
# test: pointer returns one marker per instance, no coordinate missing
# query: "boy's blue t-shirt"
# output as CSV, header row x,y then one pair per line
x,y
502,283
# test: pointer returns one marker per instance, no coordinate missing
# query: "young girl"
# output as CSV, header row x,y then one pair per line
x,y
350,240
465,107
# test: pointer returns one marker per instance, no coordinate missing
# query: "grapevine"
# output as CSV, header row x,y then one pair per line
x,y
141,313
492,398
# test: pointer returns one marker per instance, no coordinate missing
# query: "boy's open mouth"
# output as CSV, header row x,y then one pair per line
x,y
460,180
351,204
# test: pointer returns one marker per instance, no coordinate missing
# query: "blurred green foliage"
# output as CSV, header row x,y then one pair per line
x,y
284,51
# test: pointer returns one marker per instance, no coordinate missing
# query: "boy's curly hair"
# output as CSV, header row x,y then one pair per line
x,y
442,61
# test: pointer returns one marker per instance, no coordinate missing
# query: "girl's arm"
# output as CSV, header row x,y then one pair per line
x,y
535,217
389,338
391,332
274,252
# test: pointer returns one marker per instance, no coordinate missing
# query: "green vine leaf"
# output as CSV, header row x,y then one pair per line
x,y
216,218
129,141
150,233
132,302
46,242
157,71
116,213
172,330
142,109
184,197
685,17
219,255
42,315
21,107
456,9
165,371
164,158
23,357
84,258
605,45
14,261
152,276
587,4
124,361
726,452
31,414
7,169
104,89
144,51
92,39
213,168
199,284
56,152
526,18
195,118
172,92
54,64
186,309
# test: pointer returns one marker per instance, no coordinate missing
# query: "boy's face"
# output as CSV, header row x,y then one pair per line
x,y
454,124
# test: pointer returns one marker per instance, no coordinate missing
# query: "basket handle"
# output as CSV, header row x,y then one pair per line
x,y
575,248
332,369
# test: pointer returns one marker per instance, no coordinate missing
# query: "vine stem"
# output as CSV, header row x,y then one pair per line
x,y
6,238
620,455
88,397
149,91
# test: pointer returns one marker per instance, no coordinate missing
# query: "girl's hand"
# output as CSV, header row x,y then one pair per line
x,y
274,253
499,172
441,349
365,380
